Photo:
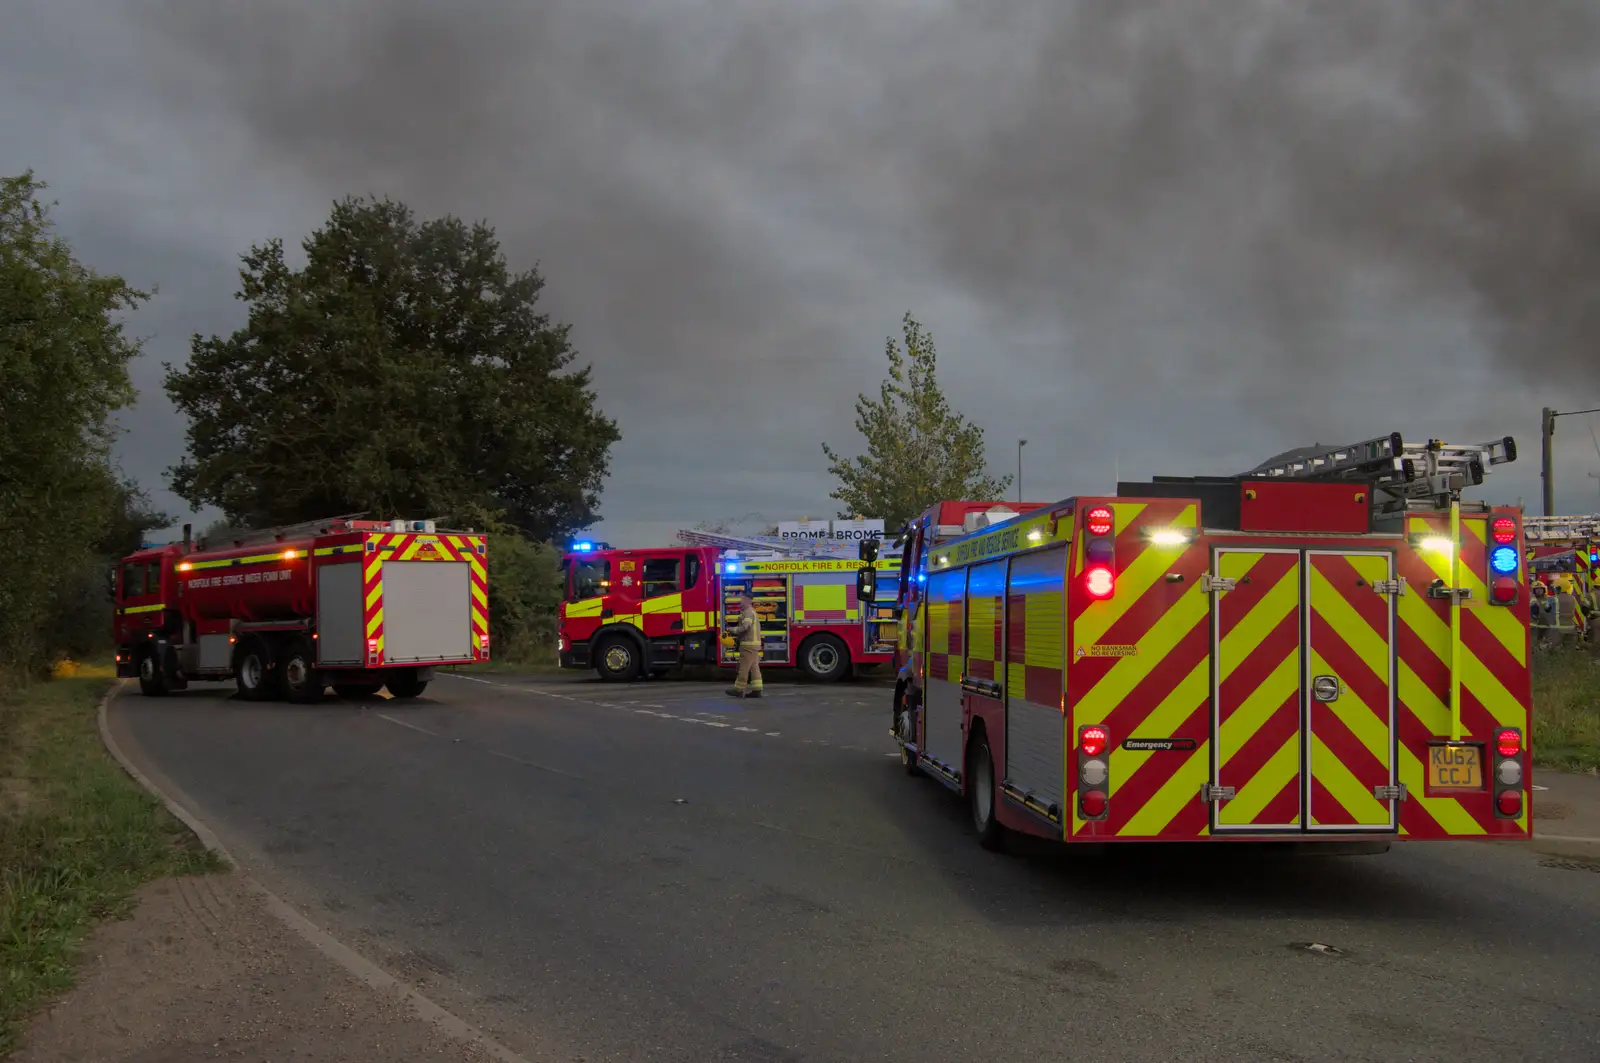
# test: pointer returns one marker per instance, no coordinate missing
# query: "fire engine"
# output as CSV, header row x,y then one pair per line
x,y
1564,544
1324,648
286,612
627,613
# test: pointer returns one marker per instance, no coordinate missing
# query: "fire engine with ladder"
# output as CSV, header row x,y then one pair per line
x,y
1323,649
358,605
1564,544
628,613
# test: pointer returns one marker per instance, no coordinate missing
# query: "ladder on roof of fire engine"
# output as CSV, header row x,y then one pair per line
x,y
765,544
284,531
1427,475
1547,529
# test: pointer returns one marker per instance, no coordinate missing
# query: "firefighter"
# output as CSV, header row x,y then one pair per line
x,y
1542,614
1568,617
748,633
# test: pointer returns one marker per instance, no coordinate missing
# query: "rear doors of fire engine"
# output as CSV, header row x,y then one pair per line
x,y
1303,691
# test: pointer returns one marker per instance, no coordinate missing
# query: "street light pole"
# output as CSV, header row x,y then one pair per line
x,y
1020,444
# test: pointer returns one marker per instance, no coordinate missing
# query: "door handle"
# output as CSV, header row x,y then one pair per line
x,y
605,614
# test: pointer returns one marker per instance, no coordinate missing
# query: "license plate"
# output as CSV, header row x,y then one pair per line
x,y
1455,767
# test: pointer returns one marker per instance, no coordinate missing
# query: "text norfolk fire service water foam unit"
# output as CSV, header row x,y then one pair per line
x,y
1331,647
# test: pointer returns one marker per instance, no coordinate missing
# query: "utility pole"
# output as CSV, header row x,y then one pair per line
x,y
1547,429
1020,444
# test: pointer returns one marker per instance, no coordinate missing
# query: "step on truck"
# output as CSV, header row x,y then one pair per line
x,y
356,605
1331,648
631,613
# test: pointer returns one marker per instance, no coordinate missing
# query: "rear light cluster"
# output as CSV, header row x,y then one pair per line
x,y
1504,562
1094,772
1100,553
1508,773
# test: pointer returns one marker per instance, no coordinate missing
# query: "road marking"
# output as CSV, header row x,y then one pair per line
x,y
406,723
642,708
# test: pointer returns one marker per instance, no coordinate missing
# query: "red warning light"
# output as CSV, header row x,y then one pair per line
x,y
1100,520
1099,582
1093,740
1504,530
1508,743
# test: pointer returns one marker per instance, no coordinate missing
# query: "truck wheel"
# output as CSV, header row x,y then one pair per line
x,y
905,730
252,670
301,680
824,658
619,659
981,794
152,677
405,684
357,691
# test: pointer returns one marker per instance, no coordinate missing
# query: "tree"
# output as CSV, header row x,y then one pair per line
x,y
405,370
132,518
63,373
918,450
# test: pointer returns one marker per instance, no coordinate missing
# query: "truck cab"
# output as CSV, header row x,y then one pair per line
x,y
142,590
626,613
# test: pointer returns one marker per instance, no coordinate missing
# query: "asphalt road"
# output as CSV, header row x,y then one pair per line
x,y
657,872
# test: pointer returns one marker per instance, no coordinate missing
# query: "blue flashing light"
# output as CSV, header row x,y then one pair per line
x,y
583,547
1504,559
731,566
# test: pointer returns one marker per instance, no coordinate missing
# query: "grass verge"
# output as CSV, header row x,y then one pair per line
x,y
1566,710
77,837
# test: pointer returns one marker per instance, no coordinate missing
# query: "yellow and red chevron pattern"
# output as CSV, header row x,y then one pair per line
x,y
1234,682
1257,688
413,546
1160,690
1496,685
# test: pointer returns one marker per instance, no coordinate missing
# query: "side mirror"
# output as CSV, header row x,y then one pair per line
x,y
868,550
866,585
111,581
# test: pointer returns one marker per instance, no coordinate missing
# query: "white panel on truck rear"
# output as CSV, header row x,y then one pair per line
x,y
341,614
427,611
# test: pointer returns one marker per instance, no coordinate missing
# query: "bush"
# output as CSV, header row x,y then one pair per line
x,y
524,592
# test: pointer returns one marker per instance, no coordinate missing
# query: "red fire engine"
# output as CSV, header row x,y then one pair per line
x,y
629,612
1325,648
353,604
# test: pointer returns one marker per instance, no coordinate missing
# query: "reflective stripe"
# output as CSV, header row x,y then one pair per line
x,y
141,609
348,548
230,562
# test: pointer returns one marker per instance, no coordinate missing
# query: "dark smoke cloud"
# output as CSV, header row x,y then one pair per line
x,y
1239,226
1206,192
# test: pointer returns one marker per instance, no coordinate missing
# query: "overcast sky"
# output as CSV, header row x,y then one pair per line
x,y
1153,238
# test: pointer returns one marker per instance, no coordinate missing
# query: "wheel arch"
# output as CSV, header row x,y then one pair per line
x,y
625,630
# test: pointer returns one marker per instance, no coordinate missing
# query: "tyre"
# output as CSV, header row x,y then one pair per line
x,y
824,658
981,792
152,677
301,680
905,729
252,670
405,684
619,660
357,691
